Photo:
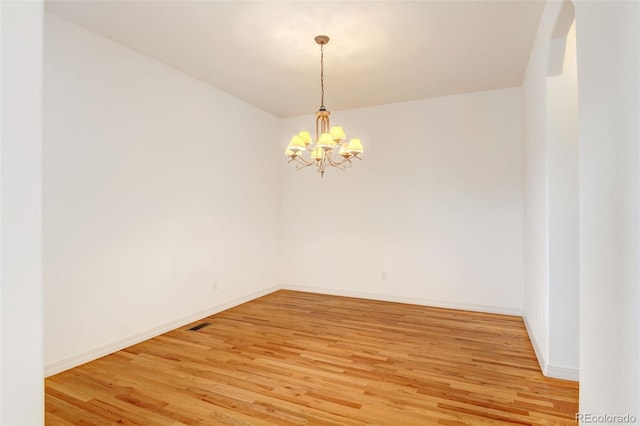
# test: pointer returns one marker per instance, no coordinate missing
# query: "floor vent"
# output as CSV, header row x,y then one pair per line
x,y
199,326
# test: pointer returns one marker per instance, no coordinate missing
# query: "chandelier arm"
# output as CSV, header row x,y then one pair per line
x,y
330,159
339,163
303,165
303,161
344,165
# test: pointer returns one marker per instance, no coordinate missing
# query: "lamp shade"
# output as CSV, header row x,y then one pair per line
x,y
292,154
306,137
355,147
297,144
326,142
317,153
343,151
337,134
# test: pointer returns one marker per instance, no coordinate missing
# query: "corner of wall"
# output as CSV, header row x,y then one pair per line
x,y
549,370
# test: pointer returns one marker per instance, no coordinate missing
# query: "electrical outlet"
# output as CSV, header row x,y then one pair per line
x,y
383,276
215,286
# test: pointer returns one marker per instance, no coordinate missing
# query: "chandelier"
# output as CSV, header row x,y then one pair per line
x,y
328,141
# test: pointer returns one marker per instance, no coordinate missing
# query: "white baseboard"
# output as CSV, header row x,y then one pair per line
x,y
548,370
82,358
409,300
536,348
565,373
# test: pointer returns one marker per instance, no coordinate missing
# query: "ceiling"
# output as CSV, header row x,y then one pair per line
x,y
380,51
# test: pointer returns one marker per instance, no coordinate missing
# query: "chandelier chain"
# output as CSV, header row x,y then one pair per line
x,y
322,77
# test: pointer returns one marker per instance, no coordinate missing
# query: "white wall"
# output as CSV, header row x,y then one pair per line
x,y
608,40
564,248
21,373
436,206
536,266
156,186
551,196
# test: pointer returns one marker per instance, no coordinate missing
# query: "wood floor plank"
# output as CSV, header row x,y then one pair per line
x,y
293,358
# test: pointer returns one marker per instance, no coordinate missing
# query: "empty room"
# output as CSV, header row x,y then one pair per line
x,y
320,212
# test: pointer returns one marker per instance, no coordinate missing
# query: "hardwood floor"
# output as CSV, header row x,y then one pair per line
x,y
294,358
